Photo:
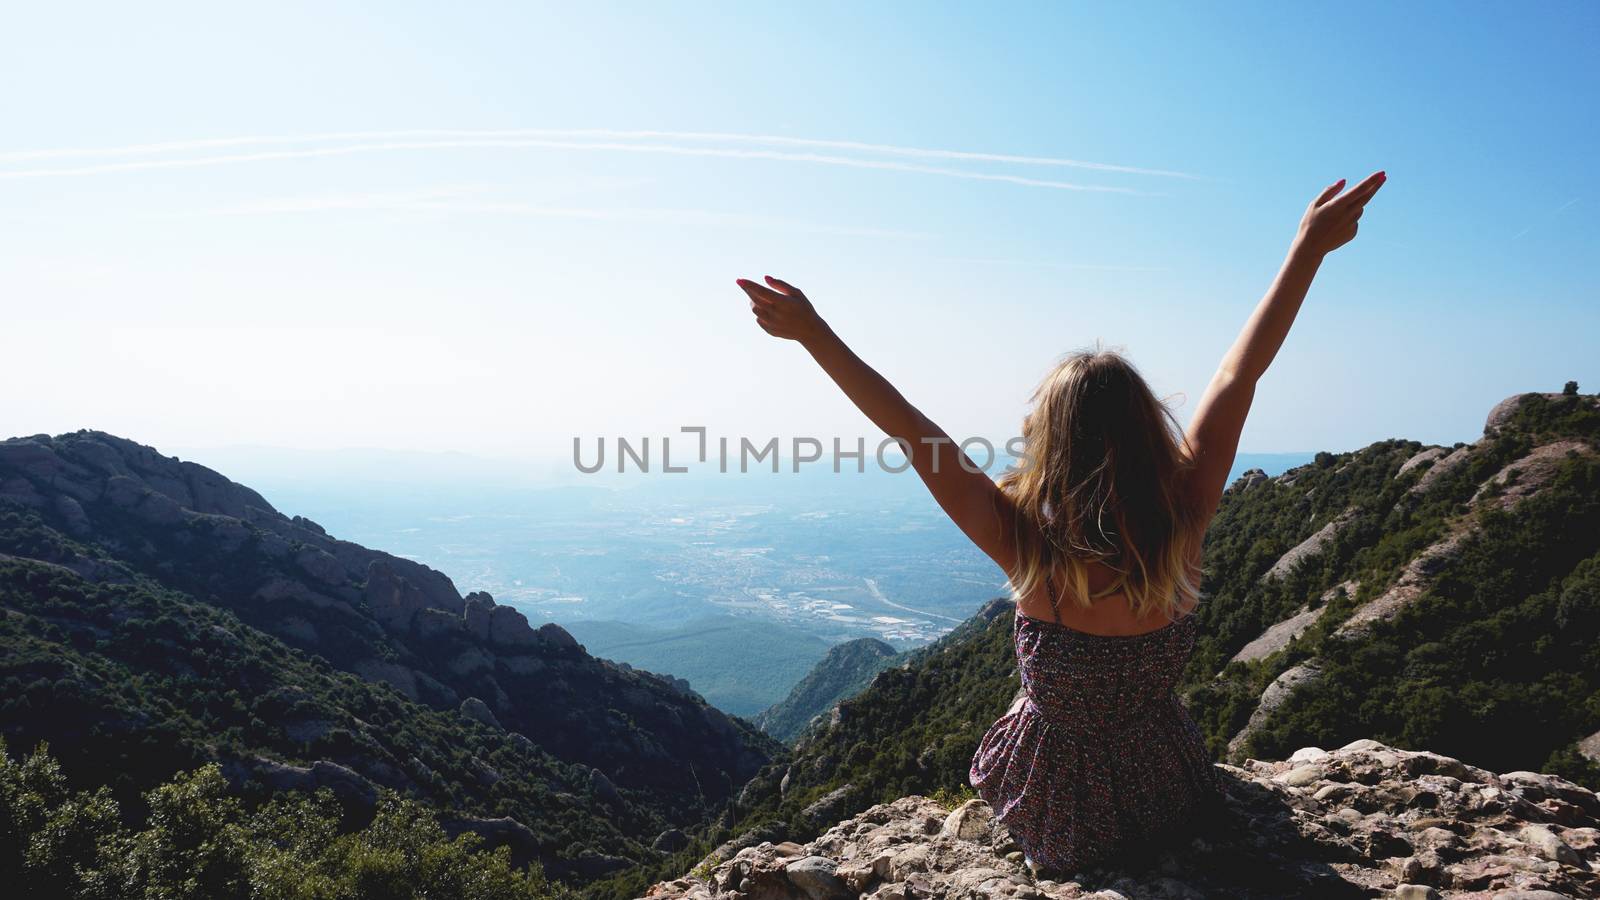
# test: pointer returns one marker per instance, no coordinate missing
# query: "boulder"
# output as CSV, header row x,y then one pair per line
x,y
817,877
670,841
1250,478
478,711
603,788
557,636
1278,636
1524,477
436,624
509,628
969,821
830,806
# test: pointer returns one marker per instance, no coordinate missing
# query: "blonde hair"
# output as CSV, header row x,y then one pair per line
x,y
1098,482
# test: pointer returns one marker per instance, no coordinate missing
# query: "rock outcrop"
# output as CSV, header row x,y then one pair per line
x,y
1440,467
1524,477
1250,478
1273,697
1365,820
1515,482
1309,547
1279,635
1422,458
1414,579
1505,409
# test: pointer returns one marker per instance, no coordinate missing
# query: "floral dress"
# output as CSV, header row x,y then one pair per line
x,y
1097,755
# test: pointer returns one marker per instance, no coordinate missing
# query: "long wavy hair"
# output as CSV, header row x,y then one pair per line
x,y
1098,482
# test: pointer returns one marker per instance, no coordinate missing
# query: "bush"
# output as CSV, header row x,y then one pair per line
x,y
198,842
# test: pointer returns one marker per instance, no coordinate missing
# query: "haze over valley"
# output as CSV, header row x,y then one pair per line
x,y
737,583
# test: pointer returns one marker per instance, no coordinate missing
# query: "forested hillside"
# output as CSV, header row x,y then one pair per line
x,y
156,617
1429,597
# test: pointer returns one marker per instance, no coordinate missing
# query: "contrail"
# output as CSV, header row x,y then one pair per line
x,y
526,143
448,201
577,134
1049,264
1559,210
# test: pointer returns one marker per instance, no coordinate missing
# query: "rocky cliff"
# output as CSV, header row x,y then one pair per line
x,y
1365,820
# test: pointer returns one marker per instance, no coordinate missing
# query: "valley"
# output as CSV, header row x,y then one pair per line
x,y
738,584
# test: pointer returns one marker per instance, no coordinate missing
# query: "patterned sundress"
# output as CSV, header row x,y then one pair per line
x,y
1097,754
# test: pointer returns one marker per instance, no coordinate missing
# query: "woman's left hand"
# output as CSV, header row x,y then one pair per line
x,y
782,310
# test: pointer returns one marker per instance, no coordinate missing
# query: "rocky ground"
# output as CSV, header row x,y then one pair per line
x,y
1365,820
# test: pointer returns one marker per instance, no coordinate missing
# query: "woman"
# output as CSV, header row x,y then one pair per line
x,y
1099,530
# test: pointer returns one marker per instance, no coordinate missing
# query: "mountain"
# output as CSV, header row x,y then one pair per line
x,y
1432,597
155,617
1435,598
842,672
1365,820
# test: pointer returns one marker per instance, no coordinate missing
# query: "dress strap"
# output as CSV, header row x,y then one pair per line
x,y
1050,589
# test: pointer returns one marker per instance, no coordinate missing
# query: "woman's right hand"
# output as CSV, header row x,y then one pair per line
x,y
782,310
1330,220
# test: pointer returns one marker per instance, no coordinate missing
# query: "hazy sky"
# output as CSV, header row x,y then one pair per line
x,y
494,227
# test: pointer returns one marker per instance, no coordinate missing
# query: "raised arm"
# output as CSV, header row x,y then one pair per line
x,y
973,501
1213,434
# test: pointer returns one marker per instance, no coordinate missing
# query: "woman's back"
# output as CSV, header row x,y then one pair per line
x,y
1110,615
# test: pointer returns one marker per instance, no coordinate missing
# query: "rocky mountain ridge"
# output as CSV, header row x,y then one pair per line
x,y
1365,820
1455,501
103,517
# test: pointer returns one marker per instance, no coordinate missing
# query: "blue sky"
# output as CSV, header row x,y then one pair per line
x,y
494,227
